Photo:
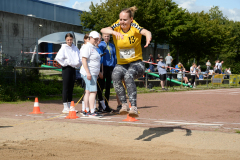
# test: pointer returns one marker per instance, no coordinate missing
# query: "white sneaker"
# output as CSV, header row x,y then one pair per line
x,y
65,108
65,111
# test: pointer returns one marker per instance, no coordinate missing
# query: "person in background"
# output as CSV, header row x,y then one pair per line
x,y
229,71
158,58
109,62
216,68
150,59
168,60
208,64
184,76
193,72
90,71
162,72
127,35
220,67
199,73
179,75
226,73
69,58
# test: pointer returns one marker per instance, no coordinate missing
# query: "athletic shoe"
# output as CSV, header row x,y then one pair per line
x,y
95,115
124,110
99,110
119,107
108,109
82,113
87,114
133,112
164,89
65,111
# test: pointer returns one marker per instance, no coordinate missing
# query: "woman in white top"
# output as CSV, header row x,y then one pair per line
x,y
69,58
90,70
193,72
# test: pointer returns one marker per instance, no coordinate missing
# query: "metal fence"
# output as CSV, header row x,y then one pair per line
x,y
17,51
202,80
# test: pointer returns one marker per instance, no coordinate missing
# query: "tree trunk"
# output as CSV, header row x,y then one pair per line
x,y
154,50
177,54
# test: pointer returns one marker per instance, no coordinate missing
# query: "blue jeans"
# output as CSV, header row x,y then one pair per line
x,y
151,68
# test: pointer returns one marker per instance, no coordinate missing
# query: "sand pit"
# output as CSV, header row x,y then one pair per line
x,y
169,127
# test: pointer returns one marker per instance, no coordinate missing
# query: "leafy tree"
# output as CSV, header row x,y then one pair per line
x,y
161,17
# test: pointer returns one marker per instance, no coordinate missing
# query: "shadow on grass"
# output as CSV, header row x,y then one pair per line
x,y
151,133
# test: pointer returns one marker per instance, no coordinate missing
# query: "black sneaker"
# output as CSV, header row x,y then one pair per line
x,y
119,107
164,89
108,109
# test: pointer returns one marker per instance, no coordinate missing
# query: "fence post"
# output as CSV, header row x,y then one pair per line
x,y
146,80
181,80
166,80
207,80
15,76
195,81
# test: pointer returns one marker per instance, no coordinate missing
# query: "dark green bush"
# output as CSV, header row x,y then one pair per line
x,y
28,83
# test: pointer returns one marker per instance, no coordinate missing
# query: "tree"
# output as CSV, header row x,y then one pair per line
x,y
161,17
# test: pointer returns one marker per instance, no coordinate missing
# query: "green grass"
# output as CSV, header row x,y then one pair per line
x,y
237,131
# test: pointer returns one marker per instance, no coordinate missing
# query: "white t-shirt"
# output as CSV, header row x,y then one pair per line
x,y
93,59
68,56
219,65
192,71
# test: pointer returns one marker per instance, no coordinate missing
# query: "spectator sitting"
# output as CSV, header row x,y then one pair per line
x,y
184,76
229,71
199,73
179,75
226,73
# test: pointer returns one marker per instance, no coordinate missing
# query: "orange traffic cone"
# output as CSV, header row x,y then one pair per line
x,y
72,112
130,119
36,109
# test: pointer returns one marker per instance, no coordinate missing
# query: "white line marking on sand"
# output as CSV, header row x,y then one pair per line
x,y
187,123
133,123
94,118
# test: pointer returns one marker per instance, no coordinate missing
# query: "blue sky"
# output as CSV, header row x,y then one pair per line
x,y
230,8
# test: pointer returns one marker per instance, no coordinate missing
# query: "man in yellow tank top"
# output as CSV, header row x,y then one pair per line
x,y
127,36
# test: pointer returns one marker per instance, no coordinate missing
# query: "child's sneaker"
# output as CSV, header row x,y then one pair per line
x,y
95,115
83,113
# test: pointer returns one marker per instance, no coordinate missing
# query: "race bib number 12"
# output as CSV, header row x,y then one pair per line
x,y
127,53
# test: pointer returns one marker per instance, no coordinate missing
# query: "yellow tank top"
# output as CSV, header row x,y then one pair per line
x,y
128,49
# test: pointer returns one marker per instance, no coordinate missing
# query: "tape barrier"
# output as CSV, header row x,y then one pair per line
x,y
40,52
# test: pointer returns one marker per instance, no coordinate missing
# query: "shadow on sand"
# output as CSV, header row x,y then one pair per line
x,y
151,133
